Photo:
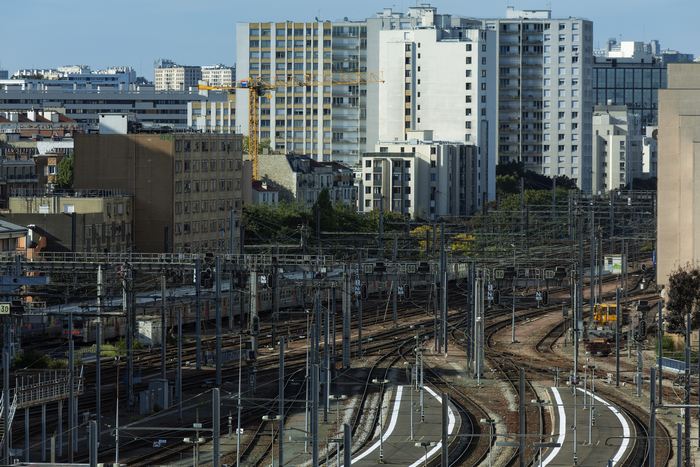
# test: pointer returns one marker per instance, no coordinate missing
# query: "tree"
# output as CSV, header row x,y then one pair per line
x,y
64,175
324,206
264,143
683,298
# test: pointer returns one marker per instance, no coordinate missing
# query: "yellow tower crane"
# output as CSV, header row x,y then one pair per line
x,y
257,88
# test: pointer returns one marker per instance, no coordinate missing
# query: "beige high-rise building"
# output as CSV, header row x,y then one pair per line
x,y
184,185
678,234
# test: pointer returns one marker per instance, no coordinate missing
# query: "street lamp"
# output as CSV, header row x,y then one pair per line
x,y
272,418
425,446
512,320
381,419
591,403
195,442
491,423
337,398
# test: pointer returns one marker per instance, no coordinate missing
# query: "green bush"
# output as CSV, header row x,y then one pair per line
x,y
34,360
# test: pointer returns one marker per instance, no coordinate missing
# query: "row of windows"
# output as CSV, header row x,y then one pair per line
x,y
254,43
211,205
187,228
561,171
505,26
653,78
207,165
208,146
299,54
376,204
203,186
561,148
290,31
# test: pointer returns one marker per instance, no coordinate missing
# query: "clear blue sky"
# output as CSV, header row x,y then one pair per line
x,y
50,33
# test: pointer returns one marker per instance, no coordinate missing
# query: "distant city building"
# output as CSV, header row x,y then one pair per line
x,y
94,221
617,151
85,104
215,115
262,193
38,124
13,237
544,92
4,74
301,178
650,152
184,188
219,75
631,73
421,178
169,76
678,221
46,168
17,175
427,71
72,76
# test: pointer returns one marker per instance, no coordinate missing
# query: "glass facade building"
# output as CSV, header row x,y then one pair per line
x,y
634,84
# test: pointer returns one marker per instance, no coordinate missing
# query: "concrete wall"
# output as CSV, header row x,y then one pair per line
x,y
275,169
140,165
678,234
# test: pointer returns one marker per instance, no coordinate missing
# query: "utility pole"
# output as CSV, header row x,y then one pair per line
x,y
618,318
198,310
660,339
163,329
347,445
275,296
232,252
281,408
394,288
523,427
444,458
314,415
98,355
581,269
471,318
130,312
6,389
591,288
652,417
443,286
381,225
359,308
216,427
178,376
346,304
71,389
219,362
686,399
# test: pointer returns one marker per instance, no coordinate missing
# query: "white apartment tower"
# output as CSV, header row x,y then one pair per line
x,y
440,76
420,177
323,120
545,92
617,147
219,75
170,76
